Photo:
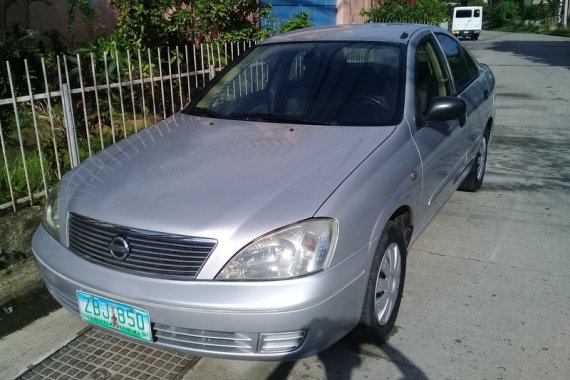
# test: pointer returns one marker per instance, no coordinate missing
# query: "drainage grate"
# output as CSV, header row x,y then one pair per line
x,y
98,355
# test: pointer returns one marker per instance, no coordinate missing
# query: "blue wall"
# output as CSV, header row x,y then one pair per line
x,y
321,12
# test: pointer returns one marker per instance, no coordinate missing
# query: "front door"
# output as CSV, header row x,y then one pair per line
x,y
441,144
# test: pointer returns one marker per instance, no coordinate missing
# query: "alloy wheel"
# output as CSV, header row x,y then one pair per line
x,y
388,283
481,159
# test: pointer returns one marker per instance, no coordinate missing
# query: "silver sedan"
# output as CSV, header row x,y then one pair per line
x,y
274,214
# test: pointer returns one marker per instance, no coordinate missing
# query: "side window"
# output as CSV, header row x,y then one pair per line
x,y
430,77
463,68
463,13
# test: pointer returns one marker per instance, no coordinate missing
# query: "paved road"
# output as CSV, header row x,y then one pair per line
x,y
488,286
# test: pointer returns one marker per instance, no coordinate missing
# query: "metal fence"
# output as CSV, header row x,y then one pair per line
x,y
59,111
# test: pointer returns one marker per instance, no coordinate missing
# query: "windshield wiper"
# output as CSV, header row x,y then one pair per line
x,y
275,118
201,111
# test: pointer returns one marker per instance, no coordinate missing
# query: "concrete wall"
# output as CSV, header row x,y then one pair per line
x,y
53,15
348,11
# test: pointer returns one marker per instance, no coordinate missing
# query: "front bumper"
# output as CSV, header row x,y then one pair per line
x,y
218,318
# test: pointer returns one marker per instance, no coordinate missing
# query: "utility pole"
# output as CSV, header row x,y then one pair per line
x,y
565,14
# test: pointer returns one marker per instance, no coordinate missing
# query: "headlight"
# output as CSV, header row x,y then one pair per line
x,y
295,250
51,215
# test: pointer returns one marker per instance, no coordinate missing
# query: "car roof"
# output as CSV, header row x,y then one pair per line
x,y
393,33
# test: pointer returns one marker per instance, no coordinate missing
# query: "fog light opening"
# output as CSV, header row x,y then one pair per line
x,y
270,343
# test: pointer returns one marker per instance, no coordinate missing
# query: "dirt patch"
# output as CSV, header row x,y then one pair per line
x,y
18,273
19,280
25,310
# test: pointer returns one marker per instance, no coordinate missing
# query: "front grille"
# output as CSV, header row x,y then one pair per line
x,y
151,254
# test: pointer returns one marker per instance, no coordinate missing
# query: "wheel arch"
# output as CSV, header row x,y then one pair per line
x,y
403,217
489,124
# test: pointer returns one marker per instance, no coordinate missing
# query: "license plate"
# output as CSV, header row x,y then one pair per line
x,y
129,320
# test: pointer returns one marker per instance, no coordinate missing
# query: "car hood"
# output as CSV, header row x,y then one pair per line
x,y
216,178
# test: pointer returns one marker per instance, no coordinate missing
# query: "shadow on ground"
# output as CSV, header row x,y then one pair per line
x,y
553,53
340,360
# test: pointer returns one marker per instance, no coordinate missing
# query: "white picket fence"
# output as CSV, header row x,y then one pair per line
x,y
70,107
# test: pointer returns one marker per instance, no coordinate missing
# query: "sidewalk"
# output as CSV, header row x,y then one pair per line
x,y
60,345
36,341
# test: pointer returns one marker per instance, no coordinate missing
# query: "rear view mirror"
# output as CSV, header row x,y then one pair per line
x,y
445,108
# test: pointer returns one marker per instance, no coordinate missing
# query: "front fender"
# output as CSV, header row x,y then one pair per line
x,y
366,200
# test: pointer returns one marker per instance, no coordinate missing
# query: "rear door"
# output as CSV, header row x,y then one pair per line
x,y
462,17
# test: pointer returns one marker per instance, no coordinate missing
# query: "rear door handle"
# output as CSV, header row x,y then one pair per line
x,y
486,94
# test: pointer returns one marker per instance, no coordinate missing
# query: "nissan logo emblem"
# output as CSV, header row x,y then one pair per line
x,y
119,247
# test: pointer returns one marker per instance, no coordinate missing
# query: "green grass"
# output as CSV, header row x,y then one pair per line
x,y
558,32
519,28
18,177
522,28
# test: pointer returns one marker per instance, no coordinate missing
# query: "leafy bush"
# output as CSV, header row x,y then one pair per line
x,y
300,21
111,48
153,23
537,12
478,3
504,14
18,176
9,124
15,47
421,11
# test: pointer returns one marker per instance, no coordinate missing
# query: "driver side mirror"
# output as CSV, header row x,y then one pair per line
x,y
445,108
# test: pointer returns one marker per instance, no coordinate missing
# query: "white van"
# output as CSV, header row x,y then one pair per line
x,y
467,22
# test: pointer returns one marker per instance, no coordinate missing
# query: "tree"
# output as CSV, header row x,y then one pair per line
x,y
504,13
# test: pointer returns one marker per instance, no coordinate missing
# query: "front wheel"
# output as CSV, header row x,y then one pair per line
x,y
385,284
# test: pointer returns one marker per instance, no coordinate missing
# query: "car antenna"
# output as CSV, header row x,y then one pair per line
x,y
404,35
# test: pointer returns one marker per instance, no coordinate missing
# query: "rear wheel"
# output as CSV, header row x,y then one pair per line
x,y
474,179
385,284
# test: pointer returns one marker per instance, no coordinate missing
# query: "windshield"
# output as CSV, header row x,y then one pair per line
x,y
331,83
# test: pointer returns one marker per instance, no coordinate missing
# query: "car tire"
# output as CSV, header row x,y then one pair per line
x,y
474,179
385,285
